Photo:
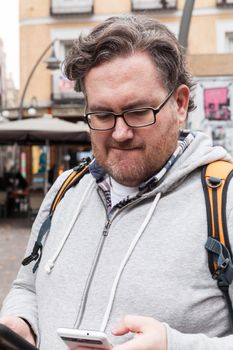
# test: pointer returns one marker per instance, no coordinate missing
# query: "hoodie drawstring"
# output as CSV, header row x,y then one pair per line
x,y
51,262
125,260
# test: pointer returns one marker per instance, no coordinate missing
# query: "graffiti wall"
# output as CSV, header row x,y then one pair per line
x,y
217,103
214,111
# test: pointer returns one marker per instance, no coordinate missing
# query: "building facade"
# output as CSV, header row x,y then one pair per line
x,y
3,96
210,52
8,100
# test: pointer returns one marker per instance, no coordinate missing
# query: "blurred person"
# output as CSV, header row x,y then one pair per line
x,y
125,252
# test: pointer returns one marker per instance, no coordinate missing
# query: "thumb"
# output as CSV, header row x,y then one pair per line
x,y
132,323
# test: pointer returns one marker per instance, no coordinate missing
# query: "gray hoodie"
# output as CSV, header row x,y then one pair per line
x,y
147,259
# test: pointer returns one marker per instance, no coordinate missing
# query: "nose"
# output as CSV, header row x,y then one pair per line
x,y
122,132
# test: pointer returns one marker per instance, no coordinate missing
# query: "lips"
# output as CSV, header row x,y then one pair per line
x,y
121,150
125,149
125,146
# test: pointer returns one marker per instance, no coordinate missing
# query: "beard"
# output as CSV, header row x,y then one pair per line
x,y
131,163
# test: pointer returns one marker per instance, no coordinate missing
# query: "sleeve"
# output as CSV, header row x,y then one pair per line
x,y
21,300
181,341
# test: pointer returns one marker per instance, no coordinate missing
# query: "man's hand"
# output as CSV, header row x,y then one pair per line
x,y
150,334
19,326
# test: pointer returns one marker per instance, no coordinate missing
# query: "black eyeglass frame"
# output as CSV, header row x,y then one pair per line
x,y
117,115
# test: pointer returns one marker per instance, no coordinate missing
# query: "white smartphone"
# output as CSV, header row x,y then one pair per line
x,y
84,338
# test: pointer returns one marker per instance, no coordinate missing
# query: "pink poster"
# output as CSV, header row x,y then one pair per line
x,y
217,103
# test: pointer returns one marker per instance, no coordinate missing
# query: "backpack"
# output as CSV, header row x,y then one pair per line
x,y
215,179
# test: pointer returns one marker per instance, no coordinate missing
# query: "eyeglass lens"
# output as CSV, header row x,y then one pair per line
x,y
135,118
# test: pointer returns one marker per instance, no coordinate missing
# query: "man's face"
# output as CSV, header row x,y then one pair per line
x,y
127,154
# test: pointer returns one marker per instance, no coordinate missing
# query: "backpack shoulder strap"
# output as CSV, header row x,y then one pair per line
x,y
73,178
215,179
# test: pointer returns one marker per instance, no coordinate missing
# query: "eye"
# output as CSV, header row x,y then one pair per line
x,y
102,116
138,113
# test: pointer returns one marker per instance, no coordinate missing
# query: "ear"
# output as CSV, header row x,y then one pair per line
x,y
182,100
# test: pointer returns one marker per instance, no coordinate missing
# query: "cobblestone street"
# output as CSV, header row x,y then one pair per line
x,y
14,234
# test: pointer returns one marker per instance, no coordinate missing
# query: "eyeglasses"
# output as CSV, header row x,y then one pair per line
x,y
134,118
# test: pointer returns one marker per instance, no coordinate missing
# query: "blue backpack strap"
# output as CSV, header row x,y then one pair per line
x,y
37,248
215,180
72,180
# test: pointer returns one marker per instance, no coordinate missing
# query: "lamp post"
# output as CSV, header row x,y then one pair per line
x,y
52,64
185,23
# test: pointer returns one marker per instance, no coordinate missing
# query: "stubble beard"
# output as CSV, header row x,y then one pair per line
x,y
136,168
125,170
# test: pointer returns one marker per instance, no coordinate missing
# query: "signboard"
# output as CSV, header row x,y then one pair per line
x,y
217,103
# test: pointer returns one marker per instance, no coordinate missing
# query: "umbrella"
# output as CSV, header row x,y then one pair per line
x,y
46,130
40,130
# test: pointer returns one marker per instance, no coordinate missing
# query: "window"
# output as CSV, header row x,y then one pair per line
x,y
67,46
223,3
229,42
138,5
62,88
224,36
71,7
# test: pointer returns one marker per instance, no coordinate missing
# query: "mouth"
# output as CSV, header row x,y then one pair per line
x,y
125,148
124,151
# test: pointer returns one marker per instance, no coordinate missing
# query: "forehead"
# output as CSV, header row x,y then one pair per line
x,y
122,79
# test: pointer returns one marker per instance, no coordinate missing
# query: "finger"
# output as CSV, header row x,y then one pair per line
x,y
135,324
122,327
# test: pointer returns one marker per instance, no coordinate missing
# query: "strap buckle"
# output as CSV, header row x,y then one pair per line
x,y
213,182
220,269
224,271
84,162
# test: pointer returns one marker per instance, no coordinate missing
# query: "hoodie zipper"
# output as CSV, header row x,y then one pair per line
x,y
88,282
85,294
99,249
107,227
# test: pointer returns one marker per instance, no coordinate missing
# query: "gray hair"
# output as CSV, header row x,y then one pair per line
x,y
122,36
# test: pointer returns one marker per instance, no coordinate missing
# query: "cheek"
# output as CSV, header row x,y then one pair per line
x,y
99,140
167,124
163,135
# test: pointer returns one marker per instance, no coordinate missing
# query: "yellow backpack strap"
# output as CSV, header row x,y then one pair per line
x,y
215,179
73,178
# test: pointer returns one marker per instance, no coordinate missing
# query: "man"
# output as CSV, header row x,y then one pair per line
x,y
125,252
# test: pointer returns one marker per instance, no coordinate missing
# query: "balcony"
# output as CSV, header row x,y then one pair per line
x,y
71,7
63,90
224,3
154,5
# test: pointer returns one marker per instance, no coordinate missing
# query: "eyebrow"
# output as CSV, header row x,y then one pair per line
x,y
132,105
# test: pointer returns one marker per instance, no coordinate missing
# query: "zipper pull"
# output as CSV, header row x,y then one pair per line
x,y
106,228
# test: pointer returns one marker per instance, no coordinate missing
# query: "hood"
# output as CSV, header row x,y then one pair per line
x,y
199,153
